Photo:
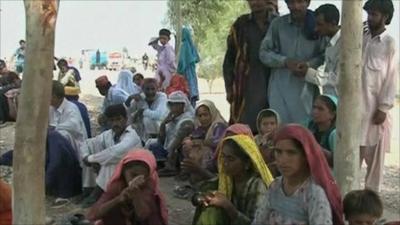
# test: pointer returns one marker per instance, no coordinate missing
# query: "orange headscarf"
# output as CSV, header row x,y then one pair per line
x,y
178,83
5,204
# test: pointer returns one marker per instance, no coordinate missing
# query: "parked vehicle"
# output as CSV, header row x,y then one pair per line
x,y
98,60
115,61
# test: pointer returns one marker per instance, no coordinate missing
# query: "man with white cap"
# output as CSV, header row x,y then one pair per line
x,y
176,126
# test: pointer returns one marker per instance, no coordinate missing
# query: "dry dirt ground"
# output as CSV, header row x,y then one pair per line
x,y
181,211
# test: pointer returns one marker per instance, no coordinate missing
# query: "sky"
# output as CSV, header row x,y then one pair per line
x,y
110,25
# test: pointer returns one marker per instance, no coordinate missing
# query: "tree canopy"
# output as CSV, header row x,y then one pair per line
x,y
210,21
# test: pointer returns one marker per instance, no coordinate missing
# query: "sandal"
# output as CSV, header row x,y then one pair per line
x,y
183,192
78,219
59,203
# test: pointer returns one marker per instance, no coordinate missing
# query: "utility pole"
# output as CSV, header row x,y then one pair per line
x,y
346,157
33,112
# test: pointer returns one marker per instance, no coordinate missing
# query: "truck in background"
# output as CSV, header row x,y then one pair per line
x,y
98,60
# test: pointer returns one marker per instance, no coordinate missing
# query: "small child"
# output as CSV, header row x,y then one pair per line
x,y
362,207
267,123
138,79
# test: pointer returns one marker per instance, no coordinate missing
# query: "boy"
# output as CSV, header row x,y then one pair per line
x,y
166,58
267,123
362,207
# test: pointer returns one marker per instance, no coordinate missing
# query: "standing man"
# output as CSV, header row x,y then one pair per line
x,y
379,72
246,78
327,75
289,43
19,57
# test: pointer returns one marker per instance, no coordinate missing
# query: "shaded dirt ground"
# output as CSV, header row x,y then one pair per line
x,y
181,211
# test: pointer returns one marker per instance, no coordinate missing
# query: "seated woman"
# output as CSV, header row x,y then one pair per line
x,y
133,195
243,180
9,91
323,124
211,165
5,204
125,82
268,121
199,148
306,186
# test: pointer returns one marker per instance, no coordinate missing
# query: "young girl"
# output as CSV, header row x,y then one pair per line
x,y
267,123
306,193
133,195
242,184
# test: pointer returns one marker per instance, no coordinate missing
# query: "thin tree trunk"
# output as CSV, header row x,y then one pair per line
x,y
178,39
346,157
32,120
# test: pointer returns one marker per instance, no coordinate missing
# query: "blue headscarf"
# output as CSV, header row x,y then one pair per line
x,y
188,57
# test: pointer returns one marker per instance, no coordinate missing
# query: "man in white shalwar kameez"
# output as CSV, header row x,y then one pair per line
x,y
149,110
104,151
379,72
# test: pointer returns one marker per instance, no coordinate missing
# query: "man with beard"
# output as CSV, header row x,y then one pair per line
x,y
246,78
148,110
103,152
378,82
291,41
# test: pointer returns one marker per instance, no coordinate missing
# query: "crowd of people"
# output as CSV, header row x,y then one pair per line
x,y
271,163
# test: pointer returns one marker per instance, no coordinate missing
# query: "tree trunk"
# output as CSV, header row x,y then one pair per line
x,y
32,120
178,37
210,83
346,157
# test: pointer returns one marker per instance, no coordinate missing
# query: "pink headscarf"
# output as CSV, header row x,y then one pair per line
x,y
116,184
239,128
236,129
318,165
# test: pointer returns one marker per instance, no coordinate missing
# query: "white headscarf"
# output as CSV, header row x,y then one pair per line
x,y
180,97
125,82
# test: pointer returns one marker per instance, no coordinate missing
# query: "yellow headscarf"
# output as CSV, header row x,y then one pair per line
x,y
250,147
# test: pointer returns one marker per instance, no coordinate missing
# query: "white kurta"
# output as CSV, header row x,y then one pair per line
x,y
68,121
153,114
379,78
104,150
327,75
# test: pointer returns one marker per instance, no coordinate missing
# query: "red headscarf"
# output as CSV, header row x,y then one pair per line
x,y
178,83
318,165
117,184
